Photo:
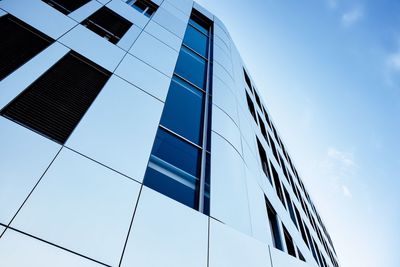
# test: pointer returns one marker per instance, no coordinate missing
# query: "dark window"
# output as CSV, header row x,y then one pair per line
x,y
273,148
290,207
191,67
18,44
277,183
251,106
267,119
183,110
301,226
289,243
196,40
247,79
274,227
66,6
143,6
262,127
301,257
257,98
177,152
311,245
54,104
264,160
200,22
107,24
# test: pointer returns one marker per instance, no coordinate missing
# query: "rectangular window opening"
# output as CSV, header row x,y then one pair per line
x,y
274,226
289,243
146,7
66,6
264,160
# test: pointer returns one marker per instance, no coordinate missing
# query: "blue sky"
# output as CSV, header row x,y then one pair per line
x,y
329,72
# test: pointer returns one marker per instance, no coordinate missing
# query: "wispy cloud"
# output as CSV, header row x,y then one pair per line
x,y
339,166
392,68
393,61
352,16
332,3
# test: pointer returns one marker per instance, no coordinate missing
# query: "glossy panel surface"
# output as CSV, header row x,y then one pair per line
x,y
18,250
229,248
27,11
143,76
170,22
166,233
163,35
225,99
229,202
282,259
223,125
32,153
155,53
85,11
95,48
129,38
128,12
183,5
90,203
114,130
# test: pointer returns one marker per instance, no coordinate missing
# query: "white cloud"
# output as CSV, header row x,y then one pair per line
x,y
332,3
346,191
345,158
393,61
352,16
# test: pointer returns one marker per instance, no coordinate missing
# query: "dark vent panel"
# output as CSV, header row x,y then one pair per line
x,y
66,6
54,104
107,24
19,43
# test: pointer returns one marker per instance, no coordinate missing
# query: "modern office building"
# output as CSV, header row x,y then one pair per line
x,y
131,134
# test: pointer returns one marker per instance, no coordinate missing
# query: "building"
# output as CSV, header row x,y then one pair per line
x,y
131,134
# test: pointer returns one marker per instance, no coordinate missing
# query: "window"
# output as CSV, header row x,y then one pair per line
x,y
262,127
145,7
196,40
107,24
273,148
179,165
174,168
277,183
200,22
301,257
257,98
264,160
289,243
301,226
247,79
274,226
251,106
183,110
290,207
54,104
18,44
191,67
66,6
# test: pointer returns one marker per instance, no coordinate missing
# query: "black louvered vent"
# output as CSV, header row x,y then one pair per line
x,y
54,104
107,24
66,6
19,42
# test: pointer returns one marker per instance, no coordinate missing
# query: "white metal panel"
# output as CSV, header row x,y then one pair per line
x,y
229,202
19,80
94,47
171,22
225,99
282,259
222,73
221,56
128,12
18,250
224,126
184,6
129,37
50,21
143,76
166,233
155,53
119,128
229,248
85,11
203,11
164,35
82,206
24,157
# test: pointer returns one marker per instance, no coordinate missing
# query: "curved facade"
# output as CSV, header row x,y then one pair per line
x,y
132,134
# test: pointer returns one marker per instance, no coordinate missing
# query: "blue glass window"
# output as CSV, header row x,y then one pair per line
x,y
183,110
177,152
196,40
191,67
199,23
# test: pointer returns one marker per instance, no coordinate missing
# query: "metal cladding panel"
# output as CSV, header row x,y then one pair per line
x,y
229,201
82,206
53,24
115,131
229,248
166,233
17,249
32,154
282,259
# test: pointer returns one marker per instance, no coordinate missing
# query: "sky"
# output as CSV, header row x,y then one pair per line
x,y
329,73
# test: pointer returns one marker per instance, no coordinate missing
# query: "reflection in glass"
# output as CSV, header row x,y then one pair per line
x,y
196,40
191,67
